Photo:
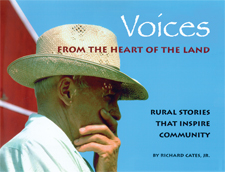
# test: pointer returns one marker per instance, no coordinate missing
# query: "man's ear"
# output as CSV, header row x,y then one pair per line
x,y
65,89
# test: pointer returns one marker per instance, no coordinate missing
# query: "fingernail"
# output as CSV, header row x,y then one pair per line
x,y
104,111
77,140
81,129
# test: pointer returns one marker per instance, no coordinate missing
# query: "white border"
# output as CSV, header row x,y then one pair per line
x,y
24,20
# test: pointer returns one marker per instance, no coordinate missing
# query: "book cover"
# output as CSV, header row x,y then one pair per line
x,y
175,49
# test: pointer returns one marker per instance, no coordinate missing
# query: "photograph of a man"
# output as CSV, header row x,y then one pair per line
x,y
77,81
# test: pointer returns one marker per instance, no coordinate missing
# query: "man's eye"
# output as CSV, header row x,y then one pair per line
x,y
109,97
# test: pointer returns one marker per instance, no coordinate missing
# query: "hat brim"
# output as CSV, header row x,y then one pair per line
x,y
28,69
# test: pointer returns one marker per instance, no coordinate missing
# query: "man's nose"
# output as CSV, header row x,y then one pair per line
x,y
115,111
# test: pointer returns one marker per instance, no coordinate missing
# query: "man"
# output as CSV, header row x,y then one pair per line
x,y
77,84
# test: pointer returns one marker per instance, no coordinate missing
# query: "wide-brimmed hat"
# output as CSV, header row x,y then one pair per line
x,y
76,49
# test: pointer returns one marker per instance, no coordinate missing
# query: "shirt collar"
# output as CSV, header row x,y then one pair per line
x,y
52,128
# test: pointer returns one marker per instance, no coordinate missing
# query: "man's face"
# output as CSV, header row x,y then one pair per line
x,y
87,102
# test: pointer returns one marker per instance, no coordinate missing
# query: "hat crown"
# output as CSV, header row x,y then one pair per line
x,y
87,42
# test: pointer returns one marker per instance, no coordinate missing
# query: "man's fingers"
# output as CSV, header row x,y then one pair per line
x,y
99,148
110,121
96,129
97,138
92,146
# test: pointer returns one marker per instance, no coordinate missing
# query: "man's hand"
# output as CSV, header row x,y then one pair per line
x,y
103,140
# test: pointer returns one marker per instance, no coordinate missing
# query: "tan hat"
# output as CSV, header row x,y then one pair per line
x,y
76,49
